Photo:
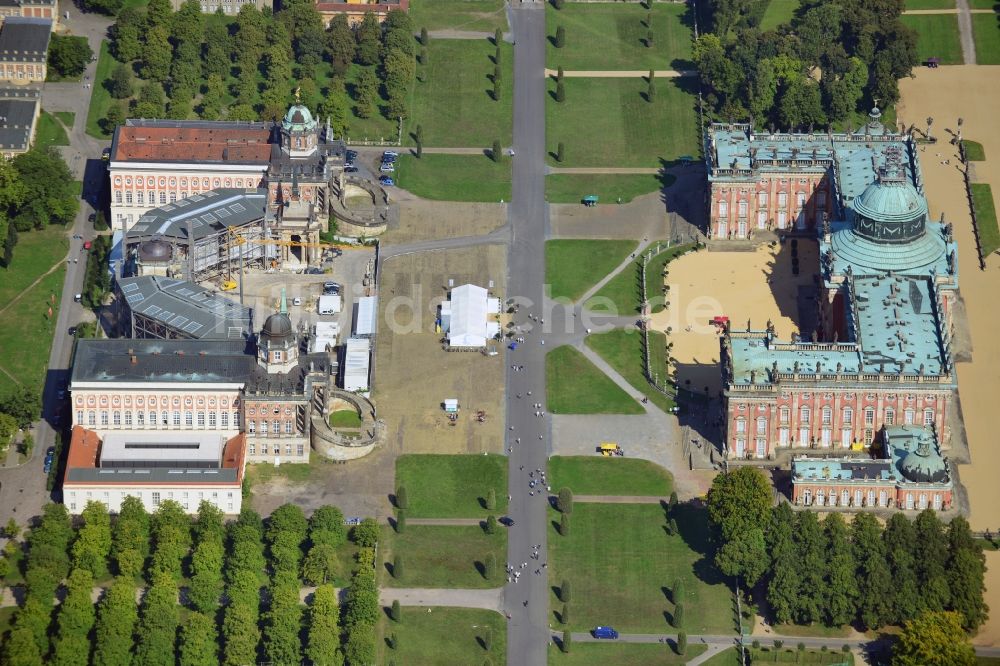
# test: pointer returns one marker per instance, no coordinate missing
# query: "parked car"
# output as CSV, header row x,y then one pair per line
x,y
350,168
605,632
387,167
78,298
47,467
296,301
87,245
50,452
106,154
331,288
390,156
385,181
72,331
350,155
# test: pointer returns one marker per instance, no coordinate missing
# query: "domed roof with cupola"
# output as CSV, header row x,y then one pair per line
x,y
890,210
298,118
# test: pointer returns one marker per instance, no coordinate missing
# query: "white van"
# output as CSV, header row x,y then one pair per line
x,y
329,304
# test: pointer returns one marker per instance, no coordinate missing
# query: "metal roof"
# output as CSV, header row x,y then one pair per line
x,y
367,314
17,115
152,476
190,310
208,213
357,357
139,448
24,39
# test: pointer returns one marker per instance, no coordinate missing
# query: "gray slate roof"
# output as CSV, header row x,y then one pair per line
x,y
209,213
190,309
25,39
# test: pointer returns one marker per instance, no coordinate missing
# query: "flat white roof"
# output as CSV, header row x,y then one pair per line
x,y
325,333
357,358
331,301
469,310
162,446
367,314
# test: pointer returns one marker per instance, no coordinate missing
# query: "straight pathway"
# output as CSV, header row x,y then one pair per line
x,y
445,522
613,375
622,73
619,499
953,10
965,32
606,170
625,264
488,599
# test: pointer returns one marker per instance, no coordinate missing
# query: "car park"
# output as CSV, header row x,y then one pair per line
x,y
390,156
386,181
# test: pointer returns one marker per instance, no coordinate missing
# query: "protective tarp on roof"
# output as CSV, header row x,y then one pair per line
x,y
367,314
467,327
356,361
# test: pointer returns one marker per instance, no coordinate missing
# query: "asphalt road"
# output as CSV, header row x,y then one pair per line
x,y
527,601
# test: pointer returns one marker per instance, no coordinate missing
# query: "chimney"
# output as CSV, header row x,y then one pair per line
x,y
132,359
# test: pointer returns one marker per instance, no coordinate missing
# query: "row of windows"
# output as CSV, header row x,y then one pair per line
x,y
826,417
844,498
300,449
165,419
184,498
140,197
275,427
804,439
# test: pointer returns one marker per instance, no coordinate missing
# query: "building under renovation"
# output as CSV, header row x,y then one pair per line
x,y
201,237
153,306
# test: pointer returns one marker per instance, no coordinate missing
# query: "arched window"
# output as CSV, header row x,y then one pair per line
x,y
805,414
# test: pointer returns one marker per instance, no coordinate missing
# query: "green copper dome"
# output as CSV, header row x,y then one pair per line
x,y
924,464
298,119
890,211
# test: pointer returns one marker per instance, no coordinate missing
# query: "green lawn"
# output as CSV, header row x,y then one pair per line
x,y
573,266
602,36
778,12
931,4
621,654
986,216
597,475
345,418
610,187
452,486
444,637
67,118
442,556
621,565
608,122
623,290
100,98
49,132
937,37
26,341
725,658
622,349
454,177
982,4
454,104
986,32
574,385
479,15
974,151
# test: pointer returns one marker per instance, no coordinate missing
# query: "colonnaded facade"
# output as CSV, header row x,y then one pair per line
x,y
880,357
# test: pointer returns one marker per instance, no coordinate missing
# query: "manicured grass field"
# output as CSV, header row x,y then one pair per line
x,y
26,340
937,37
986,216
573,266
931,4
621,565
479,15
453,103
100,98
778,12
608,122
982,4
452,486
574,385
610,187
597,475
442,556
345,418
612,36
454,177
622,349
621,654
444,637
986,32
624,288
49,132
67,117
974,151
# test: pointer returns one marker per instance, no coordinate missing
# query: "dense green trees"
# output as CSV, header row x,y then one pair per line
x,y
116,619
158,618
43,194
74,620
323,647
207,558
935,638
282,621
199,641
860,48
171,530
826,572
93,540
68,55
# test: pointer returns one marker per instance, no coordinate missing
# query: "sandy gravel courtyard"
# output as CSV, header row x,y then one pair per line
x,y
969,92
755,285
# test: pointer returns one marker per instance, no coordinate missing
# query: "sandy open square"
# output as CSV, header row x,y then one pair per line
x,y
755,285
414,375
420,219
969,92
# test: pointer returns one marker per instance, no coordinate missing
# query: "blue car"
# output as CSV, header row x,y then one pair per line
x,y
47,467
605,632
386,181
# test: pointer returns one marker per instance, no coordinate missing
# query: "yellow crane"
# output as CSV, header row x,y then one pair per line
x,y
235,237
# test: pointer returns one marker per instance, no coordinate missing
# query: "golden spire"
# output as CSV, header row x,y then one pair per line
x,y
298,94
